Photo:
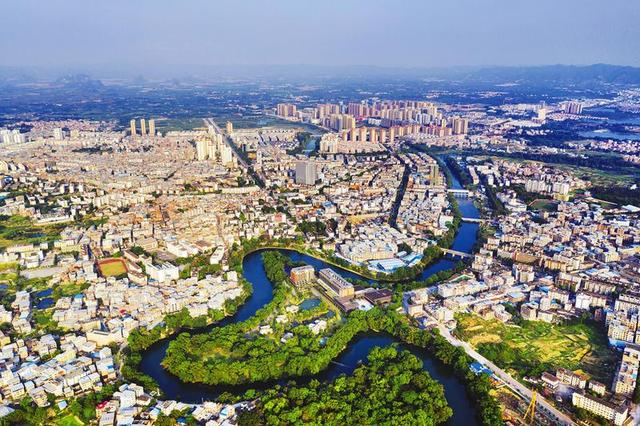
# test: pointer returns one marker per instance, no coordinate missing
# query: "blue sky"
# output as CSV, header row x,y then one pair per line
x,y
406,33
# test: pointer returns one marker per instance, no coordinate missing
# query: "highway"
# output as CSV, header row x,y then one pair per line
x,y
543,405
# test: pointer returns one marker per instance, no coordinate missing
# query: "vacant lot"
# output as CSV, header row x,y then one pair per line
x,y
112,267
535,346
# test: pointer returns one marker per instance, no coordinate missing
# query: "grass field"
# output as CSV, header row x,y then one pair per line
x,y
112,267
537,346
21,230
8,276
8,266
544,204
69,420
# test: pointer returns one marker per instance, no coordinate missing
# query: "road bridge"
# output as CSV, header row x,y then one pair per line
x,y
473,220
459,193
456,253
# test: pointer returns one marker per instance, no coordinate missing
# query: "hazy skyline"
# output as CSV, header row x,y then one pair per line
x,y
148,34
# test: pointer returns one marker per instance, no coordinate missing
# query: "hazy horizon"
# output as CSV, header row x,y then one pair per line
x,y
151,35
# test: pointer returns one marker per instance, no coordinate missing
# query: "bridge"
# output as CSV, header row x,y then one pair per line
x,y
456,253
473,220
459,193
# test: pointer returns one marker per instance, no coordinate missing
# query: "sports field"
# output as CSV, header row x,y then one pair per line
x,y
112,267
534,346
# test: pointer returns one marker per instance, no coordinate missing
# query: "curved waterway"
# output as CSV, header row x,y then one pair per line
x,y
347,361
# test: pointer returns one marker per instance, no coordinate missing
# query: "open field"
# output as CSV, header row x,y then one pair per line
x,y
8,266
8,277
596,176
544,204
534,347
69,420
67,289
256,121
16,230
600,177
112,267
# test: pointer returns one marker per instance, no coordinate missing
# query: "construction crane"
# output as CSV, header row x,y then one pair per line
x,y
531,410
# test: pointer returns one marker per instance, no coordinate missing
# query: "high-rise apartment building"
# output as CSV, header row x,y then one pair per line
x,y
12,136
392,134
132,125
5,136
306,173
362,134
152,127
286,110
212,150
460,126
58,134
143,127
202,150
542,114
373,135
229,127
624,382
356,109
226,156
572,108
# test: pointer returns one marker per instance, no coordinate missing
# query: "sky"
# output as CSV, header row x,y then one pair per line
x,y
385,33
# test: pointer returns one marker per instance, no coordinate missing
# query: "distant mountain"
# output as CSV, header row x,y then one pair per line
x,y
543,75
553,74
79,81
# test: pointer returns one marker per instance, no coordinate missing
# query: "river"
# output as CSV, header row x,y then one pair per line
x,y
357,351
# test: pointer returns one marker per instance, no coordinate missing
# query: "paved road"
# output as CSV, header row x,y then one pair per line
x,y
225,138
395,209
542,404
259,178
